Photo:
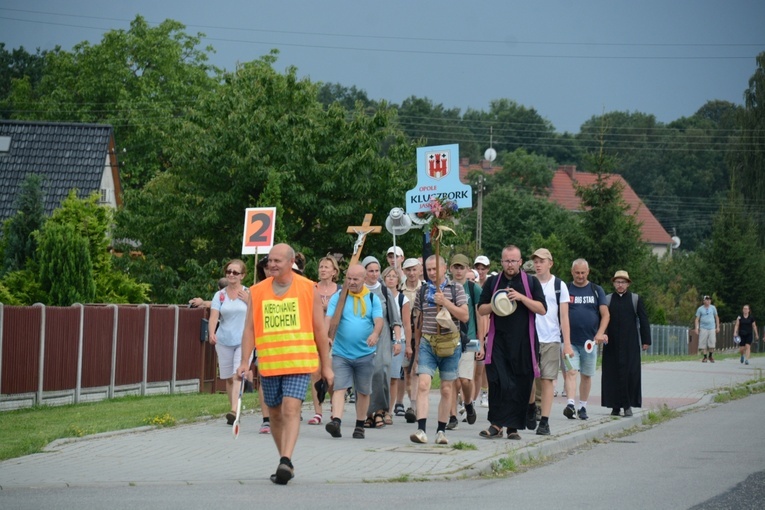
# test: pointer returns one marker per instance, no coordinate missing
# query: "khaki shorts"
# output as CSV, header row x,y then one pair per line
x,y
549,360
707,339
466,368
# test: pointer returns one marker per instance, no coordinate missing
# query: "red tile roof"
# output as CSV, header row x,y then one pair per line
x,y
563,193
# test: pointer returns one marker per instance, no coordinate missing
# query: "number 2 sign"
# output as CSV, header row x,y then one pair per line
x,y
259,226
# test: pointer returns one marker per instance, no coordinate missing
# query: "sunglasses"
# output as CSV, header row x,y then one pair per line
x,y
231,271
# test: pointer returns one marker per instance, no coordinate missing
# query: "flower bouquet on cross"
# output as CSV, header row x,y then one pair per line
x,y
439,215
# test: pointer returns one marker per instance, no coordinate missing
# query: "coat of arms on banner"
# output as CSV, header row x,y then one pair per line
x,y
438,164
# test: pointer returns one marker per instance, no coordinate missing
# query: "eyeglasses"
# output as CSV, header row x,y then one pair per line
x,y
620,282
511,262
231,271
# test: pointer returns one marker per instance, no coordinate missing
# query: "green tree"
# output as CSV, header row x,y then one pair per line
x,y
609,235
141,81
66,272
748,161
433,124
19,243
263,138
527,171
18,65
733,264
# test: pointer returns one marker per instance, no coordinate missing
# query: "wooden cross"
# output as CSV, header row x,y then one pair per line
x,y
361,233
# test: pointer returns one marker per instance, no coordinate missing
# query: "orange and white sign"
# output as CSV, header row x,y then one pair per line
x,y
259,228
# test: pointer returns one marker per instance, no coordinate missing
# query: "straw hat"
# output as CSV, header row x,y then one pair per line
x,y
501,305
622,274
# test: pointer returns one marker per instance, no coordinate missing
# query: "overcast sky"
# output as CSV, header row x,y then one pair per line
x,y
568,60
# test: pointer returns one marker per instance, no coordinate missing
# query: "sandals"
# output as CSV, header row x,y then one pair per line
x,y
398,410
379,419
369,423
358,433
387,418
316,420
493,432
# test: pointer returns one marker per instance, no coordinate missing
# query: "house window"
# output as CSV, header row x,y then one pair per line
x,y
104,195
5,144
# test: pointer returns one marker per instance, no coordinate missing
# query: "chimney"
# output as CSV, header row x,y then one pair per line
x,y
464,161
485,164
569,169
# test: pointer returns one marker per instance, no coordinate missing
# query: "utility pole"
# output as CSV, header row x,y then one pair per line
x,y
490,155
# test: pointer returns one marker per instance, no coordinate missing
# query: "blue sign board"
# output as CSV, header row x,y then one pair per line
x,y
438,174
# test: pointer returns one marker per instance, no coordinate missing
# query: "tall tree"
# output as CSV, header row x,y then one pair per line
x,y
748,162
265,133
609,236
433,124
19,243
141,81
733,263
15,66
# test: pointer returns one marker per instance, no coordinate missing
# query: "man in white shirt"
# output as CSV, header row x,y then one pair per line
x,y
551,328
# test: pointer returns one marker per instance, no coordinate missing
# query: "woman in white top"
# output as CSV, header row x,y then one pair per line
x,y
229,306
392,280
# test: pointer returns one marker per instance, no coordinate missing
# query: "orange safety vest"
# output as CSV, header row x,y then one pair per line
x,y
284,328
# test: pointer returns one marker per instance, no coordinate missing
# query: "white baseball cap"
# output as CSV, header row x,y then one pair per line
x,y
397,249
482,259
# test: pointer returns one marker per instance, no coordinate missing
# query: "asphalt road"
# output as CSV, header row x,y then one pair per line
x,y
712,457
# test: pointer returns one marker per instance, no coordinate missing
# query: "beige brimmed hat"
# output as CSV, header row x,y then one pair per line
x,y
623,275
542,253
501,304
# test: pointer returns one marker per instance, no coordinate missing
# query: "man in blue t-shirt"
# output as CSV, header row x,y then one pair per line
x,y
707,327
353,349
588,319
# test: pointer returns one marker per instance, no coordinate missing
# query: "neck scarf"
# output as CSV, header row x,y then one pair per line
x,y
358,299
432,292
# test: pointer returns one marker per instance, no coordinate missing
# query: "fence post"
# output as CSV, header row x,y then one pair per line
x,y
113,376
145,350
175,351
78,384
41,372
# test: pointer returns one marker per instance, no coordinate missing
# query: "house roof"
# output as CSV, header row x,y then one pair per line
x,y
65,155
563,193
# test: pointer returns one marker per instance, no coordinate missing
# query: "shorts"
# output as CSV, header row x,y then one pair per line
x,y
428,362
707,339
229,359
354,372
583,361
549,360
276,387
466,366
396,364
746,339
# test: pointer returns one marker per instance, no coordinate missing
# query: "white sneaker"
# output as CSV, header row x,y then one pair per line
x,y
441,437
419,437
484,399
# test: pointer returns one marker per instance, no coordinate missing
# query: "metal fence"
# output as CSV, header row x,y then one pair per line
x,y
668,340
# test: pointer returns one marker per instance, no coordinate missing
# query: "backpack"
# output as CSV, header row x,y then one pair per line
x,y
634,307
464,340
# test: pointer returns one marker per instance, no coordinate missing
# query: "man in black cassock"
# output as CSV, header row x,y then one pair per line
x,y
627,332
511,358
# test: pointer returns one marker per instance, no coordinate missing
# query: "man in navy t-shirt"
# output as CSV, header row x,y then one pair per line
x,y
588,319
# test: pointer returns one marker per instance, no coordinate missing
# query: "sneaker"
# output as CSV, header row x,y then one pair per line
x,y
711,359
419,437
484,399
471,416
230,418
452,425
531,418
441,437
583,414
704,360
352,397
284,474
563,393
742,358
569,411
410,415
333,427
543,429
265,428
628,411
746,362
461,409
398,410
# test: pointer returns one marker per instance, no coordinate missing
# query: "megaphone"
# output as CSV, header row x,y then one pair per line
x,y
398,222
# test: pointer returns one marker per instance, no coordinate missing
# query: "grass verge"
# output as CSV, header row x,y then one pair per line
x,y
27,431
